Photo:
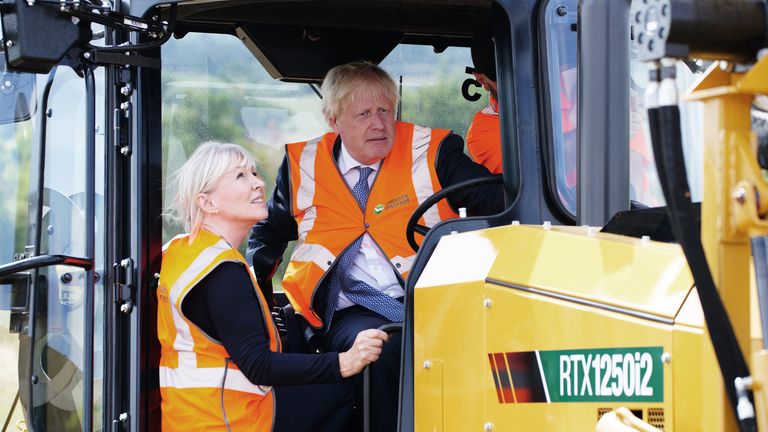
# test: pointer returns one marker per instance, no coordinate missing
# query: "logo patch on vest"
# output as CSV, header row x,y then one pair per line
x,y
378,209
397,202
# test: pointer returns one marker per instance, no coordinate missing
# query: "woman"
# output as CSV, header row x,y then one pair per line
x,y
220,349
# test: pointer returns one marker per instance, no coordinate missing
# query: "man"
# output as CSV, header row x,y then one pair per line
x,y
483,137
347,196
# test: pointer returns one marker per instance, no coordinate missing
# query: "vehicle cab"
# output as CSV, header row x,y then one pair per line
x,y
96,116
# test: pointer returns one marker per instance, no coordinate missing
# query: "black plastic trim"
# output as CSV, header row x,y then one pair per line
x,y
90,247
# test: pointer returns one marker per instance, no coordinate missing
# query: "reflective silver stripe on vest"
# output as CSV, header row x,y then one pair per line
x,y
422,181
306,192
307,223
184,341
405,263
186,377
315,253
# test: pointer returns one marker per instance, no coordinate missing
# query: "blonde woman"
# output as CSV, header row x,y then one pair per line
x,y
221,367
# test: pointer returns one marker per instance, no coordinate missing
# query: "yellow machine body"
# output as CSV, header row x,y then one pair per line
x,y
522,312
509,321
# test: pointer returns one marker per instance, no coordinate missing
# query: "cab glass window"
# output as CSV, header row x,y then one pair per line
x,y
431,86
16,146
59,348
644,186
222,93
560,17
42,155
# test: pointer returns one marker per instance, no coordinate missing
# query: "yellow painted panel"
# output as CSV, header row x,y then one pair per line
x,y
620,271
518,321
448,327
760,375
604,292
700,403
691,314
463,257
430,376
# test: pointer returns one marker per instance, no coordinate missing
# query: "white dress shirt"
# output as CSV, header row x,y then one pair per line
x,y
370,265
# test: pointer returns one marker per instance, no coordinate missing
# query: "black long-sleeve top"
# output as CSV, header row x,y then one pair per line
x,y
269,238
225,306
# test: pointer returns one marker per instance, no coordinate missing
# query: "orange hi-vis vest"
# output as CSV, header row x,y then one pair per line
x,y
193,366
329,217
484,138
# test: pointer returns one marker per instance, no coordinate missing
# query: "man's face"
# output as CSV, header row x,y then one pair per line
x,y
488,84
366,126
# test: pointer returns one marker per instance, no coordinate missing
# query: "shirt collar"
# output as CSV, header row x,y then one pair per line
x,y
347,162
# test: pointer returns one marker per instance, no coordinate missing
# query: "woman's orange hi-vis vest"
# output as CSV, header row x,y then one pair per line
x,y
329,218
192,364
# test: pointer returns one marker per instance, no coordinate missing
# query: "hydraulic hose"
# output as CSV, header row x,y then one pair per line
x,y
668,154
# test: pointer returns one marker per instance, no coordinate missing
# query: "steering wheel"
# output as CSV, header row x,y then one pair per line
x,y
413,225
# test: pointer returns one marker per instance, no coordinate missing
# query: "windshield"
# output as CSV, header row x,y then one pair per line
x,y
224,94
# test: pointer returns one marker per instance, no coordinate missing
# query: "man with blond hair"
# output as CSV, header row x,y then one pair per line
x,y
347,196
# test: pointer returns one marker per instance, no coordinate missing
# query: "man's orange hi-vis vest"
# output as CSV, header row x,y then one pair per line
x,y
329,218
193,366
484,141
484,138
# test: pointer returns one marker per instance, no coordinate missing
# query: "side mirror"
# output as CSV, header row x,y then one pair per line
x,y
37,36
17,89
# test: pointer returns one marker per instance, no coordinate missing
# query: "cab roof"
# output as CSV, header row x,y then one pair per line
x,y
300,40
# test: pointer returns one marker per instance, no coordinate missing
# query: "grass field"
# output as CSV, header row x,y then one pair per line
x,y
9,381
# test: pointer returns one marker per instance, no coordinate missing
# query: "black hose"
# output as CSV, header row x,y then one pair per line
x,y
668,154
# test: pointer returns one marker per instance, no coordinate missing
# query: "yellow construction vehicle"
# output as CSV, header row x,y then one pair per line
x,y
577,308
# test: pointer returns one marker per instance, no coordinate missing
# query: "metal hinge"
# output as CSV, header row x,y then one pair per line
x,y
124,285
121,120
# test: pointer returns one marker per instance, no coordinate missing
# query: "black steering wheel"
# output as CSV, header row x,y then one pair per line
x,y
414,227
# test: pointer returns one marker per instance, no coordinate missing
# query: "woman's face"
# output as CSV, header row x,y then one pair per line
x,y
239,196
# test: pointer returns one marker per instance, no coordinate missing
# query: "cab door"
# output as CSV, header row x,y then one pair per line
x,y
52,246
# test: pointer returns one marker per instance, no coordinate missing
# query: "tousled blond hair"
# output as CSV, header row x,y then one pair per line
x,y
200,174
342,82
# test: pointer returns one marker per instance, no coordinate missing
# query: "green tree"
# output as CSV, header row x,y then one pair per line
x,y
202,115
15,153
441,105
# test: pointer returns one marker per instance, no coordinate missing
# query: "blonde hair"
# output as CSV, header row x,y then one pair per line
x,y
200,174
342,82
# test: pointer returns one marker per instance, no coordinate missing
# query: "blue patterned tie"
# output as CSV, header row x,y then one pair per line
x,y
358,291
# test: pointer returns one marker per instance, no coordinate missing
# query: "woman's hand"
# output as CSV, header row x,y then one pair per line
x,y
365,350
